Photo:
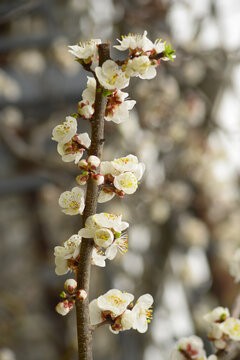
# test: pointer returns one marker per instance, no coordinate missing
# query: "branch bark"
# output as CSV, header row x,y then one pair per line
x,y
84,331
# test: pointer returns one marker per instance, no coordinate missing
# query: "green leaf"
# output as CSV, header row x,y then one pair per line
x,y
63,295
84,172
106,92
75,115
117,235
169,52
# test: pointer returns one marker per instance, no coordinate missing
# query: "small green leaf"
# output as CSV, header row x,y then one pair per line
x,y
84,172
117,235
63,295
75,115
169,52
106,92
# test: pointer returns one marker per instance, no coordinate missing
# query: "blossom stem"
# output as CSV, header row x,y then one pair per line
x,y
84,331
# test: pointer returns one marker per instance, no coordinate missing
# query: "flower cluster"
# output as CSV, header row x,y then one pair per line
x,y
190,348
222,327
116,308
64,307
121,177
117,109
70,144
107,232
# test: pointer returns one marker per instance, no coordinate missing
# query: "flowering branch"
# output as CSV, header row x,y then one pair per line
x,y
102,235
83,272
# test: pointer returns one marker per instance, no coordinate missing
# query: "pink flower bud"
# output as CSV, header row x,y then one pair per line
x,y
70,285
83,164
93,162
82,179
98,179
63,308
81,295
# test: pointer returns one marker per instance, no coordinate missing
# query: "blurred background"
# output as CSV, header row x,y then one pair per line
x,y
184,218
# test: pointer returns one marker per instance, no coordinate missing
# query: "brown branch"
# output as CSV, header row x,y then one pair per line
x,y
84,331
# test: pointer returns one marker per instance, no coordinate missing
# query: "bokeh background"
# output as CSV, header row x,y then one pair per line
x,y
184,218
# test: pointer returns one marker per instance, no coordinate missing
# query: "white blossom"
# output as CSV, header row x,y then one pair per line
x,y
69,250
72,202
72,151
110,221
86,105
114,301
231,327
143,313
159,46
141,66
98,258
126,182
63,133
120,244
111,76
86,51
118,108
105,196
235,265
218,314
103,237
193,346
135,42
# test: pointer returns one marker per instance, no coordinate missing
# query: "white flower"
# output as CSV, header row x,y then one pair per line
x,y
87,50
231,327
105,196
218,314
103,237
69,250
117,109
143,314
95,313
72,201
89,93
114,301
127,163
86,105
127,319
159,46
135,42
110,221
111,76
73,151
235,265
63,308
126,182
120,244
212,357
70,285
193,346
142,67
98,258
63,133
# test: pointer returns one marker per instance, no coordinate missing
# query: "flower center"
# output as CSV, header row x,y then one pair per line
x,y
115,300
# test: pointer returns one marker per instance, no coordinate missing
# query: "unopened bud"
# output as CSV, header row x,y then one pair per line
x,y
81,295
98,179
82,179
70,285
83,164
93,162
63,308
